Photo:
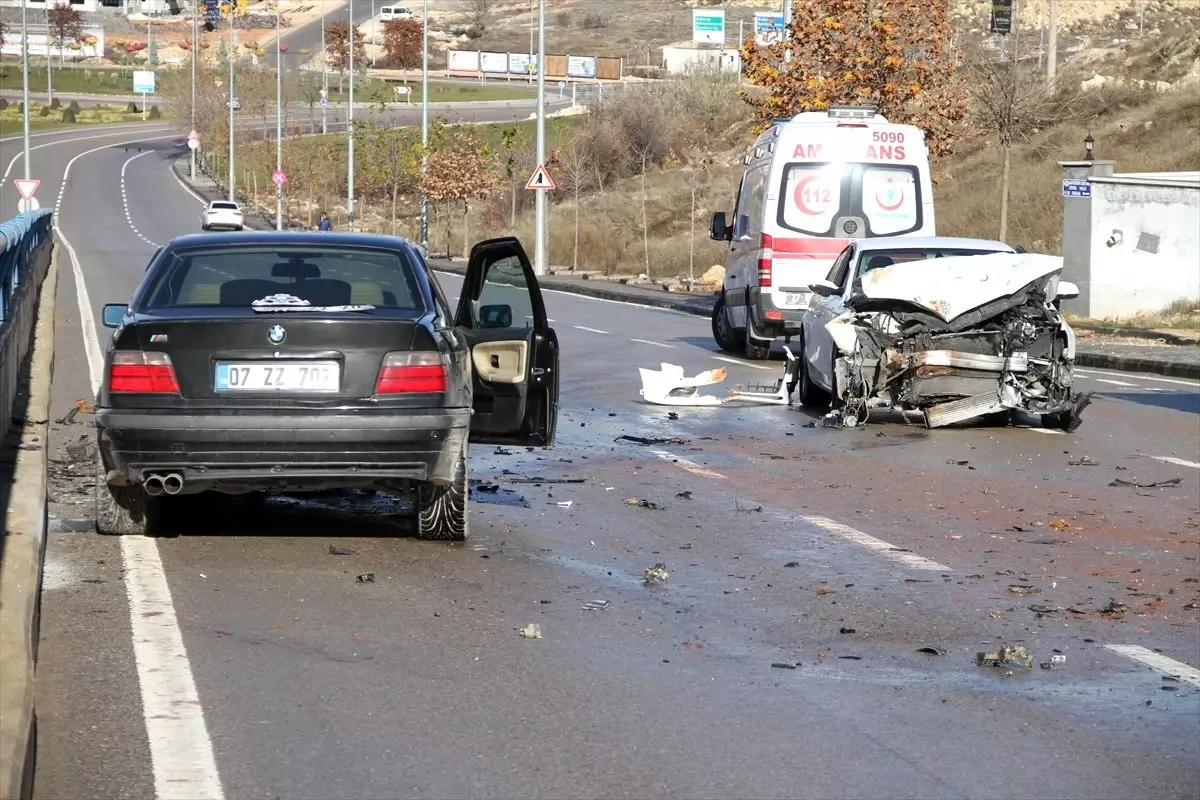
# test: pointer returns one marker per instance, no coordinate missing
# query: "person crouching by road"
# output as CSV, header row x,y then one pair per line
x,y
324,224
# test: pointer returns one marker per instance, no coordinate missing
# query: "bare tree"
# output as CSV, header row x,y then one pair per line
x,y
480,12
576,167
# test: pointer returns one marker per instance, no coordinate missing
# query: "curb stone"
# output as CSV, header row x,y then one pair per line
x,y
21,569
702,307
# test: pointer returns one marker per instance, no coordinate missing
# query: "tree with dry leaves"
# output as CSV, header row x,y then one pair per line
x,y
480,12
337,49
457,171
65,24
896,55
402,43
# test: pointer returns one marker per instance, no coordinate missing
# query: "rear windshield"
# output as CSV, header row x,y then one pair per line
x,y
224,205
235,276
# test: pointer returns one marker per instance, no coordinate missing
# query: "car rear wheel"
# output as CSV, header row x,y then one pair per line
x,y
120,510
442,510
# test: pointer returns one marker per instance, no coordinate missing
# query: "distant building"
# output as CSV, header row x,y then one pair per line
x,y
683,56
38,7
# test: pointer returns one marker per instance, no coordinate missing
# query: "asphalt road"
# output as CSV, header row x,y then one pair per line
x,y
243,660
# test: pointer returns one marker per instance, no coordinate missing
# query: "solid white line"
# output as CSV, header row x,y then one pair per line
x,y
577,296
1177,461
741,363
64,141
690,466
1167,666
591,330
180,748
1048,431
878,545
656,344
1114,383
181,752
120,127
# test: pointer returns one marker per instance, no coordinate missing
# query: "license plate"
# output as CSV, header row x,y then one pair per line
x,y
315,376
795,299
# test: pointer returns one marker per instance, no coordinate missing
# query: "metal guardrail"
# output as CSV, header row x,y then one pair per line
x,y
26,243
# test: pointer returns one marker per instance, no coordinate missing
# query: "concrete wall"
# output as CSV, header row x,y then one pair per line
x,y
1144,243
681,58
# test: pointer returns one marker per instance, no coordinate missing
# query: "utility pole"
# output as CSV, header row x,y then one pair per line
x,y
424,234
50,58
787,20
324,78
25,85
1052,45
195,56
278,122
539,259
350,127
232,58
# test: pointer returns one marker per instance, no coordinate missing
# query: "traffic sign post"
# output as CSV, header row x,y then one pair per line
x,y
27,187
540,180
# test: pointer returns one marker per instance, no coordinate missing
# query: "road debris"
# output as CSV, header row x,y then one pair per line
x,y
334,550
931,651
791,564
1043,609
1060,525
640,503
1151,485
786,664
845,631
1083,462
539,479
1056,661
565,503
656,574
596,605
366,577
670,387
1017,588
1014,656
530,631
684,495
645,440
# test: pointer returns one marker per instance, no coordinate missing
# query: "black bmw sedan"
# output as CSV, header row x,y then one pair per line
x,y
296,361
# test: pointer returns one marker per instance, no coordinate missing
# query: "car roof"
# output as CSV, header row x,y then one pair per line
x,y
917,242
290,238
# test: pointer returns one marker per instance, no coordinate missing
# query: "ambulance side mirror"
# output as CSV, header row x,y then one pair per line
x,y
718,229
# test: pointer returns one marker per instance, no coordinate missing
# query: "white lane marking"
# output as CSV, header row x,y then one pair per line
x,y
119,127
13,161
1048,431
181,750
125,197
1177,461
590,330
656,344
1141,377
690,466
878,545
741,363
184,186
1114,383
1157,661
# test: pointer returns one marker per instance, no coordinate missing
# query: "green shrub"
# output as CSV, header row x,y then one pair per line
x,y
155,113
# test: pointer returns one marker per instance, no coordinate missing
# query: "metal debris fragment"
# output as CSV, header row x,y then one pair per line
x,y
366,577
931,651
646,440
596,605
1014,656
684,495
1024,590
1151,485
1086,461
656,574
530,631
640,503
785,664
334,550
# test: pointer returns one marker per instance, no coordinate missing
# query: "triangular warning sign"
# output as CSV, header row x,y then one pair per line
x,y
540,179
27,186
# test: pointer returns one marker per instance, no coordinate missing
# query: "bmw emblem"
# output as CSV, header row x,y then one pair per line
x,y
276,334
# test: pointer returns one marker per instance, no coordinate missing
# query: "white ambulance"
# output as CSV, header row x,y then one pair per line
x,y
811,184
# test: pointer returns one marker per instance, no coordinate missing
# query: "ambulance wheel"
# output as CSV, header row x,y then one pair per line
x,y
756,349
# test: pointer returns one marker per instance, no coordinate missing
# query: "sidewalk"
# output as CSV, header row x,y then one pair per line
x,y
1128,351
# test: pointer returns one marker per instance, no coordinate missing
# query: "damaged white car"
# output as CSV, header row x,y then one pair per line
x,y
957,329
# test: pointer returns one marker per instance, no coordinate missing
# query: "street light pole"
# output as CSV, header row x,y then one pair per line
x,y
424,125
195,55
278,122
324,78
25,85
232,59
350,127
539,259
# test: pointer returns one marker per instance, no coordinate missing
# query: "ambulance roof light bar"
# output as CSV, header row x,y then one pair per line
x,y
851,112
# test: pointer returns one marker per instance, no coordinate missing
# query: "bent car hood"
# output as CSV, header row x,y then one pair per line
x,y
950,287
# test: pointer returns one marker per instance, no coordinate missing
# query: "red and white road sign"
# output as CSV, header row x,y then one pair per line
x,y
27,186
540,179
279,178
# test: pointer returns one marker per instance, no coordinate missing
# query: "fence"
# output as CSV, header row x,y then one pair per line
x,y
26,242
479,63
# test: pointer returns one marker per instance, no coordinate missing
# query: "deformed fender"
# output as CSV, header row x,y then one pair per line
x,y
844,332
454,447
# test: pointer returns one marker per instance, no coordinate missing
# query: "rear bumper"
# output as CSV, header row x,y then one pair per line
x,y
770,318
281,450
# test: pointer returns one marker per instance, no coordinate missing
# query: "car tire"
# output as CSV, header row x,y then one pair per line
x,y
723,331
811,395
755,351
120,510
238,228
442,510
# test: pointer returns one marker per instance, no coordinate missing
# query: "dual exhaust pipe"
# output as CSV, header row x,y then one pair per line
x,y
171,483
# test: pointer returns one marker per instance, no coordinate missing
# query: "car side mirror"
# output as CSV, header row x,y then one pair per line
x,y
498,316
825,288
1066,291
718,229
114,313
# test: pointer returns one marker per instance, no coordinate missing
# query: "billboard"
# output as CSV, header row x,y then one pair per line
x,y
768,27
493,63
1002,17
143,81
581,67
708,26
91,44
522,64
462,60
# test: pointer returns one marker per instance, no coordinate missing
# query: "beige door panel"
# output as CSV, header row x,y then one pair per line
x,y
501,362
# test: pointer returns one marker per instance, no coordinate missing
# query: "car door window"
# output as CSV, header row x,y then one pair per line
x,y
837,273
505,300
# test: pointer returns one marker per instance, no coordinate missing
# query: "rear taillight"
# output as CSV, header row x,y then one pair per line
x,y
408,373
138,372
766,259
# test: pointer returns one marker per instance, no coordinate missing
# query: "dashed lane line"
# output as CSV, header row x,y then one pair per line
x,y
656,344
181,751
1176,461
1114,383
1141,377
1159,662
92,137
886,549
690,466
590,330
125,198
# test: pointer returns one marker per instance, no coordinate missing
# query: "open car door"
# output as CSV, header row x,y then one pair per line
x,y
514,351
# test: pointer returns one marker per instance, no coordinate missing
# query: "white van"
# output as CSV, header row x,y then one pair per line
x,y
388,13
811,184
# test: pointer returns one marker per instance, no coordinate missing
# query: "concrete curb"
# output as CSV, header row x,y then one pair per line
x,y
702,307
21,570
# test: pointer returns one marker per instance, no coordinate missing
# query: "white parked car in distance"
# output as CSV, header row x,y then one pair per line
x,y
389,13
954,328
222,214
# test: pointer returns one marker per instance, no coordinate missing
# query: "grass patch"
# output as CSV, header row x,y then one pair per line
x,y
11,118
372,90
69,80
